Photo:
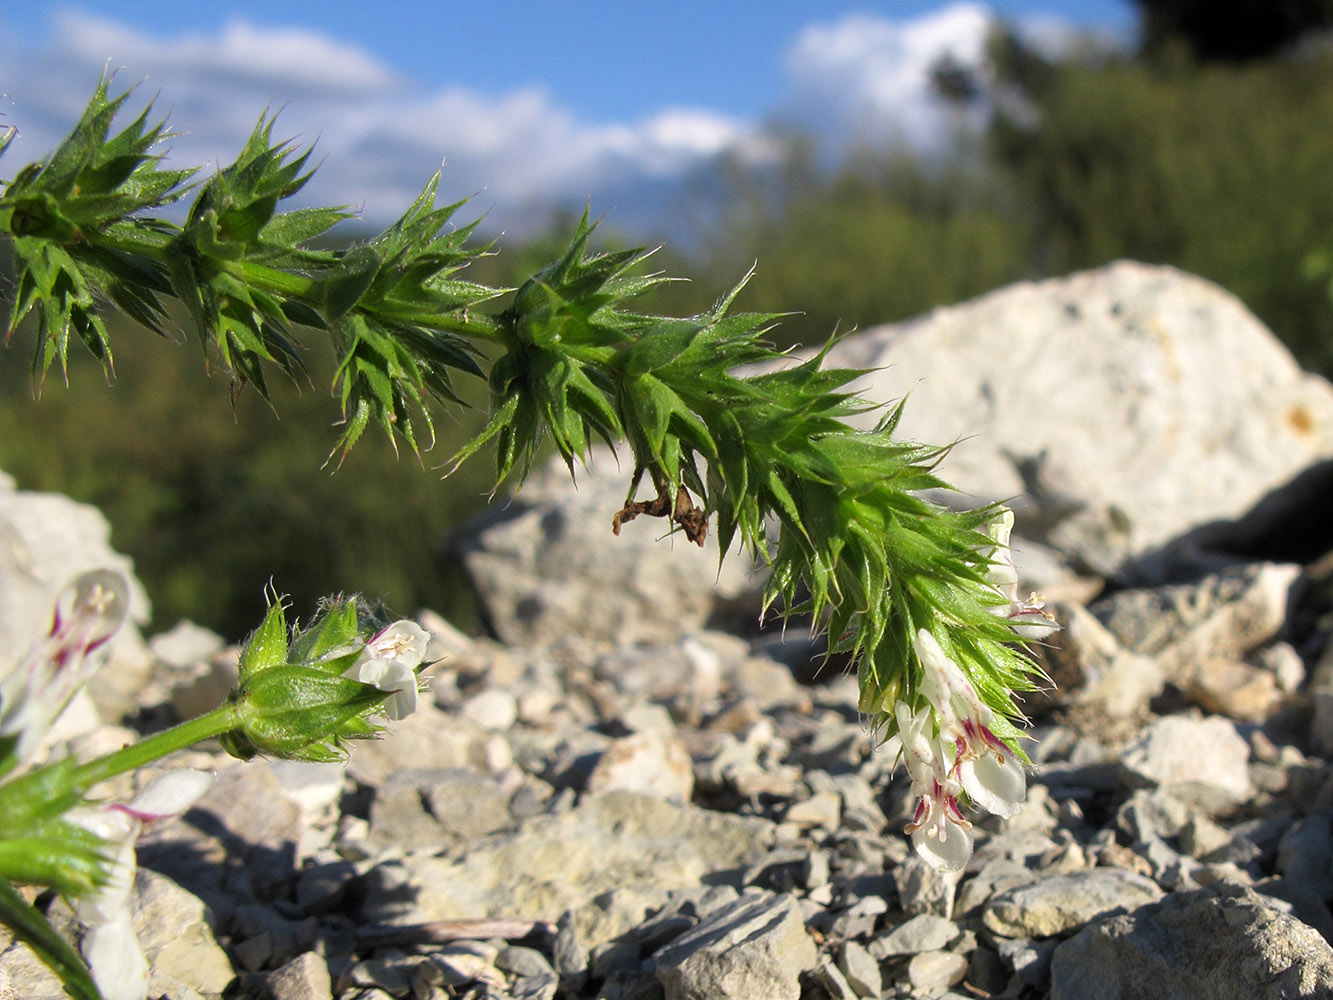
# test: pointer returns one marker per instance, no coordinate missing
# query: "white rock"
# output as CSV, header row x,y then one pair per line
x,y
1224,942
1224,614
1201,761
175,933
1088,666
647,763
932,971
924,932
493,708
756,946
549,565
823,809
1123,406
562,860
1061,904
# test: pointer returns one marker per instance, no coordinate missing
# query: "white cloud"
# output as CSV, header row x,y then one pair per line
x,y
378,140
520,149
858,79
866,79
291,58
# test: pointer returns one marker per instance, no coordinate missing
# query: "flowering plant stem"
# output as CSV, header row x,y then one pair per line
x,y
65,781
723,429
157,746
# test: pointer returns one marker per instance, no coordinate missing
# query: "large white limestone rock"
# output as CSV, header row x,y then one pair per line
x,y
1121,408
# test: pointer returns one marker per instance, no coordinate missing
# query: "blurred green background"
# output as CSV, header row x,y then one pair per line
x,y
1202,149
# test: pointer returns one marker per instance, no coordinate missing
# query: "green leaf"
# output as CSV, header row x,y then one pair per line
x,y
732,454
30,927
59,855
659,346
653,404
334,629
267,645
501,416
37,797
348,281
302,713
289,230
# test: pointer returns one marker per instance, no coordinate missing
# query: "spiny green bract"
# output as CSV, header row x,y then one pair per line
x,y
561,332
711,412
708,407
396,313
68,216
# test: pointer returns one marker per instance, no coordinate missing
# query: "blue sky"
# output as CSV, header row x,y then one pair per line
x,y
528,102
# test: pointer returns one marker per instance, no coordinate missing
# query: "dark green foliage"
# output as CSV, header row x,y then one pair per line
x,y
244,274
564,323
1232,30
884,238
248,326
382,301
1218,170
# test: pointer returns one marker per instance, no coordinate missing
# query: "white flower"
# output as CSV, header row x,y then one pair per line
x,y
109,945
389,662
391,675
88,612
118,964
117,829
940,832
168,795
983,764
403,640
1029,618
994,781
